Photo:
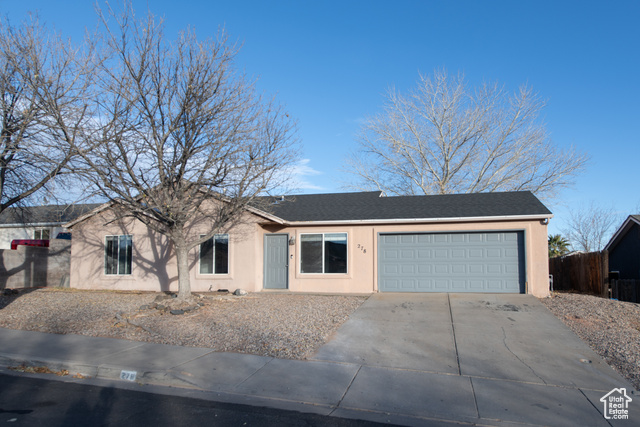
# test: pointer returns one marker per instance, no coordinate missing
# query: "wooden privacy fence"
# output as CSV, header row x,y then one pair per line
x,y
626,290
587,273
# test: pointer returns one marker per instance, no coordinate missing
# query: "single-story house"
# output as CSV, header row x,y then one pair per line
x,y
624,249
38,222
335,243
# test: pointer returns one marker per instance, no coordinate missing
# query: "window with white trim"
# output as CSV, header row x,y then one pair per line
x,y
42,234
118,254
214,255
324,253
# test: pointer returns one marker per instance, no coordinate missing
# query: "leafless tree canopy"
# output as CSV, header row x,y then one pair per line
x,y
44,85
444,137
589,228
177,126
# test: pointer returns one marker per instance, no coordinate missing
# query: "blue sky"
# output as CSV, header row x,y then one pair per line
x,y
330,62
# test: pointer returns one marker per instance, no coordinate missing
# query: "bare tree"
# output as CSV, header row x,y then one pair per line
x,y
44,100
589,228
182,136
444,137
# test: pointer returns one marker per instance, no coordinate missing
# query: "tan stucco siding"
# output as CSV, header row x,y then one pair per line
x,y
154,265
362,275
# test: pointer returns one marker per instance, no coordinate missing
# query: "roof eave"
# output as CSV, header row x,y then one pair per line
x,y
88,215
423,220
265,215
32,224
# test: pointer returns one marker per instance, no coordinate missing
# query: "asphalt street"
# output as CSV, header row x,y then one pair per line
x,y
26,401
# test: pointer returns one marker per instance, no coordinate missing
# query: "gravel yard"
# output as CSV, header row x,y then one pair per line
x,y
277,325
611,328
280,325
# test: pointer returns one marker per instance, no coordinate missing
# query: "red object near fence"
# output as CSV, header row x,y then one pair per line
x,y
29,242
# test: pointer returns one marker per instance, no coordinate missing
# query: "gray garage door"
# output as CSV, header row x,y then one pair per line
x,y
451,262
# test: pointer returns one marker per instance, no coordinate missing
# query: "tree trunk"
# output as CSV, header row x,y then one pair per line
x,y
184,284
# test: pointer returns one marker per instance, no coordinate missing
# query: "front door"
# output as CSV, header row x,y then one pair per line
x,y
276,261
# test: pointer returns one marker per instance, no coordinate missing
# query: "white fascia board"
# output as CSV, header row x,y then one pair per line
x,y
422,220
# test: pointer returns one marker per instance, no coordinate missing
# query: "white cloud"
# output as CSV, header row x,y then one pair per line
x,y
300,173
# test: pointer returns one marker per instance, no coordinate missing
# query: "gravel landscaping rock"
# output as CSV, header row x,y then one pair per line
x,y
277,325
610,327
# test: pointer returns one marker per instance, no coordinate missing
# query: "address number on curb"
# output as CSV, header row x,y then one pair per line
x,y
128,375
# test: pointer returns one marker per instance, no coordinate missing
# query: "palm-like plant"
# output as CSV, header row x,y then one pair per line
x,y
558,245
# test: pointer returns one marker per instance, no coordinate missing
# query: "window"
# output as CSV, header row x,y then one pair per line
x,y
323,253
214,255
117,254
42,234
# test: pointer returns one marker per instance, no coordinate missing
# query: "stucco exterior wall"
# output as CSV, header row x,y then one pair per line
x,y
362,274
154,264
30,266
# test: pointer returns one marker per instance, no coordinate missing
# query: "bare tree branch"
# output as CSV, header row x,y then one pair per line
x,y
181,135
44,104
444,137
589,228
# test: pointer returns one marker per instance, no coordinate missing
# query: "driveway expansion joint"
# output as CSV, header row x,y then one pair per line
x,y
251,376
347,389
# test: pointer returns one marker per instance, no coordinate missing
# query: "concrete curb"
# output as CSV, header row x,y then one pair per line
x,y
103,372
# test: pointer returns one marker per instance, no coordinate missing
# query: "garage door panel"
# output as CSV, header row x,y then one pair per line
x,y
441,253
476,285
476,253
424,253
458,253
494,269
452,262
493,253
476,269
441,285
391,269
407,238
424,269
408,269
440,238
458,238
458,285
475,238
458,269
391,239
390,254
425,285
511,253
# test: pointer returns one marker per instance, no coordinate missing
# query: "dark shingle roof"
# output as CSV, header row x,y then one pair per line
x,y
44,214
370,206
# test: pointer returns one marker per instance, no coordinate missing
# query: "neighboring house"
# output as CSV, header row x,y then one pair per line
x,y
624,249
335,243
38,222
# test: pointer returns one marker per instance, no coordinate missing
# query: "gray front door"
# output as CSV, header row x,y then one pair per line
x,y
452,262
276,261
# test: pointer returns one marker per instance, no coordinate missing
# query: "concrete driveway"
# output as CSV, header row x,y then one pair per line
x,y
471,357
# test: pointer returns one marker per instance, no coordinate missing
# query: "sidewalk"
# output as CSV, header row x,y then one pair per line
x,y
348,390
